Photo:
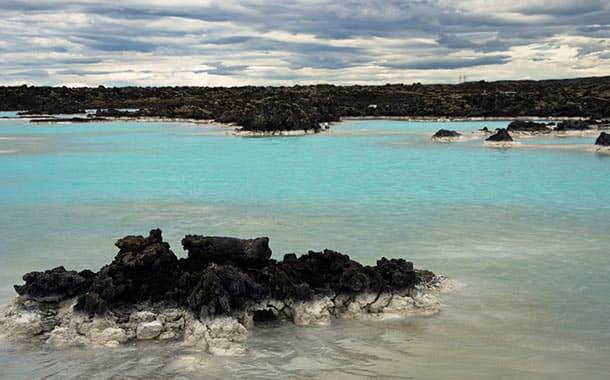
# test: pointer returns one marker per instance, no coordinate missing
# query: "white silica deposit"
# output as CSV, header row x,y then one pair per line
x,y
57,324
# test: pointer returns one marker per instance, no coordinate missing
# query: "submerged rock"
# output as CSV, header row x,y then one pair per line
x,y
222,286
501,135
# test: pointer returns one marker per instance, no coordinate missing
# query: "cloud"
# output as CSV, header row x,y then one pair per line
x,y
204,42
444,63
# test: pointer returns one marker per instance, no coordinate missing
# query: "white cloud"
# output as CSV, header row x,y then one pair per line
x,y
261,42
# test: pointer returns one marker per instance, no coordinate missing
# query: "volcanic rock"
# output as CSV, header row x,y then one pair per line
x,y
445,135
207,298
501,135
207,249
527,126
55,284
603,139
574,125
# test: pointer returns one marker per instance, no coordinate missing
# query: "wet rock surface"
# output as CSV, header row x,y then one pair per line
x,y
147,293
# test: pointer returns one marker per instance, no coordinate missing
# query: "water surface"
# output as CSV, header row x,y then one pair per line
x,y
523,230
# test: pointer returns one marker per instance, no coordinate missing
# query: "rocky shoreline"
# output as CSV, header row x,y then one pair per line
x,y
503,137
211,298
265,109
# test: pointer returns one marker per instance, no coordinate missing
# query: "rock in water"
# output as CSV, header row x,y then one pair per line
x,y
445,135
501,135
223,285
527,126
603,139
144,269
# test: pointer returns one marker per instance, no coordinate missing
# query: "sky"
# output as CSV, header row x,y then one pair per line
x,y
260,42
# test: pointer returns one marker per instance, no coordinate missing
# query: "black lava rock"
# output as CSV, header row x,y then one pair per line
x,y
203,250
221,275
527,126
500,135
445,133
55,284
574,125
603,139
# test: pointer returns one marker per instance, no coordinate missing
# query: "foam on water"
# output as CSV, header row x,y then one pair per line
x,y
524,230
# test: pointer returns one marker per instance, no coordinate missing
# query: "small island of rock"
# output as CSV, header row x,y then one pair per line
x,y
445,135
210,298
500,139
602,143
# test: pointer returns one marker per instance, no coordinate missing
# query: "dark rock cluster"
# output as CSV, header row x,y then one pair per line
x,y
444,133
220,275
527,126
306,107
501,135
574,125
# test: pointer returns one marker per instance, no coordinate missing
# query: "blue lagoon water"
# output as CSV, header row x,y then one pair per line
x,y
524,231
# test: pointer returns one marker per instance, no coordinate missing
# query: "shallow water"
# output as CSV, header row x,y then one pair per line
x,y
523,230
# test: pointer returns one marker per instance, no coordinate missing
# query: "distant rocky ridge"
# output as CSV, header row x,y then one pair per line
x,y
306,107
210,297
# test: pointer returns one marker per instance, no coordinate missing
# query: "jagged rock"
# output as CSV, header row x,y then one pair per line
x,y
603,139
398,273
207,249
223,289
206,299
527,126
144,268
501,135
55,285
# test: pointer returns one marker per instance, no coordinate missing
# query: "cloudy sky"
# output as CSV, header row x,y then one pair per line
x,y
228,42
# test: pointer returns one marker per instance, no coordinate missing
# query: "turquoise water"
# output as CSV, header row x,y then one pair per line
x,y
523,230
8,113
